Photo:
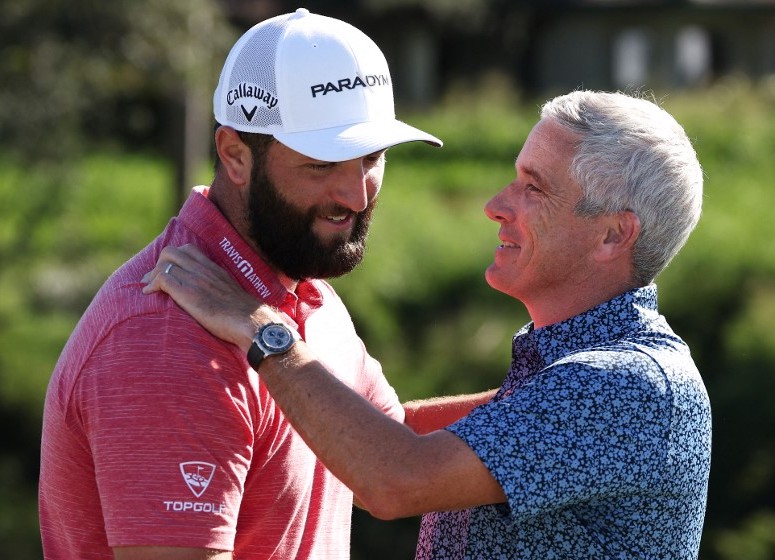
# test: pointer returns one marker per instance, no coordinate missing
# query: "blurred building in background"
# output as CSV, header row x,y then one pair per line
x,y
545,46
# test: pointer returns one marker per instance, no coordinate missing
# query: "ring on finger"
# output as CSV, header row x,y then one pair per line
x,y
168,268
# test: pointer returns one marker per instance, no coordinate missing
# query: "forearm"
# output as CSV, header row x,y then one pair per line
x,y
357,443
372,454
426,416
382,461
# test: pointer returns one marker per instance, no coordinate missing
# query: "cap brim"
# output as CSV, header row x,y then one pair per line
x,y
353,141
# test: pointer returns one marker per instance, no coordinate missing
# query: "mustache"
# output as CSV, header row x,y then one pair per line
x,y
334,209
331,210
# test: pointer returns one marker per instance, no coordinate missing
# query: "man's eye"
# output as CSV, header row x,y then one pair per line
x,y
320,166
375,158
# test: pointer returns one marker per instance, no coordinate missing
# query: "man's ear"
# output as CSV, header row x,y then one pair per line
x,y
621,233
234,154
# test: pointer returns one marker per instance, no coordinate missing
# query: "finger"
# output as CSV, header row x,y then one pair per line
x,y
166,257
193,252
189,259
169,258
186,257
194,260
186,273
163,277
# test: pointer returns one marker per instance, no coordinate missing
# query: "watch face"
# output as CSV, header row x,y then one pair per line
x,y
276,337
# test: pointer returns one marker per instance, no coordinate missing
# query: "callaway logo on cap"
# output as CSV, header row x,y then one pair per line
x,y
317,84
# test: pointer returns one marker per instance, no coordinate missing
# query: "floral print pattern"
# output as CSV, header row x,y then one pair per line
x,y
600,437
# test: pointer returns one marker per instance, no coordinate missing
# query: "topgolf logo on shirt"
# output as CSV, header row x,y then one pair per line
x,y
197,476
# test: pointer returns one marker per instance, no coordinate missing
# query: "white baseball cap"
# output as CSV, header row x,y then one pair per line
x,y
317,84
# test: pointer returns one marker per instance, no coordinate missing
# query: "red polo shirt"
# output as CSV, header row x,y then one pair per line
x,y
155,433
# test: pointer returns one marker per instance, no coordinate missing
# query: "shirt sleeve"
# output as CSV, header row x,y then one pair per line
x,y
592,427
378,390
167,410
332,336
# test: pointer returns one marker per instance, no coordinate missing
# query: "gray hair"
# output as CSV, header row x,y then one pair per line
x,y
633,155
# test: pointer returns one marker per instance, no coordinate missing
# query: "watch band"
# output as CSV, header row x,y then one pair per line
x,y
255,355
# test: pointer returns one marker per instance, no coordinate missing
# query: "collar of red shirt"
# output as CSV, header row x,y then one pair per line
x,y
223,244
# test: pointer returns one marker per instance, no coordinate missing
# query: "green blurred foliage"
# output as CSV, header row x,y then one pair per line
x,y
420,299
71,69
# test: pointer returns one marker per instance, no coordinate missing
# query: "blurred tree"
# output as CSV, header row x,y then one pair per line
x,y
83,70
76,75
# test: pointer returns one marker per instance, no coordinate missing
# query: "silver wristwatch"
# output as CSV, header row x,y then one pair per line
x,y
271,339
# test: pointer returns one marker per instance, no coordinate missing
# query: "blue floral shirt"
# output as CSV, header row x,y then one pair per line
x,y
600,437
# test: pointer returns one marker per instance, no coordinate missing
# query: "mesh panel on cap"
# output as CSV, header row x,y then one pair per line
x,y
252,97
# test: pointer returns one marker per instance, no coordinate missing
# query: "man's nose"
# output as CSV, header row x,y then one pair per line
x,y
351,189
496,210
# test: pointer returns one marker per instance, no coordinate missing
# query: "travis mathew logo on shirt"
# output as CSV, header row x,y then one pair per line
x,y
245,268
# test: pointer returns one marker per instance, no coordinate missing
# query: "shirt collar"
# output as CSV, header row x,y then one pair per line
x,y
224,245
608,321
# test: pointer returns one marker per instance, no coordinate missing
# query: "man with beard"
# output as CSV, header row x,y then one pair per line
x,y
159,440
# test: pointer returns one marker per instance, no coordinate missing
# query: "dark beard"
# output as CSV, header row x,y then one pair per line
x,y
286,240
